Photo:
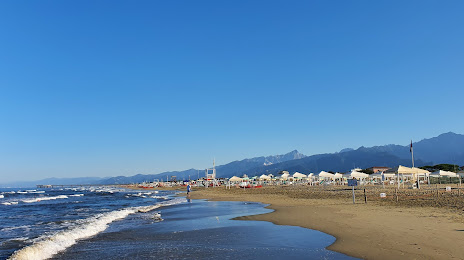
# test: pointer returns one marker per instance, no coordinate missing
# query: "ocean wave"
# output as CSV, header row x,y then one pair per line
x,y
6,229
38,191
48,246
76,195
44,198
9,203
160,197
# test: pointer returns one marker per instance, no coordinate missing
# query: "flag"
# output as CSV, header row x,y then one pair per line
x,y
410,148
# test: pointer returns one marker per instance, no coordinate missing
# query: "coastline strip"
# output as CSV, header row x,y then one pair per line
x,y
367,231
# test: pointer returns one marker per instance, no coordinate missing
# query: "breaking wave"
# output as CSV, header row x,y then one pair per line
x,y
48,246
44,198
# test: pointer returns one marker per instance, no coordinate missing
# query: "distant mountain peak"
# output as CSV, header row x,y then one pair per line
x,y
293,155
346,150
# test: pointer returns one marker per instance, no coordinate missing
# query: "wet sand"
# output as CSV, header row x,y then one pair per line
x,y
376,230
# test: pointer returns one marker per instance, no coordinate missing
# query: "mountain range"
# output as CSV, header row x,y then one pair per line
x,y
445,148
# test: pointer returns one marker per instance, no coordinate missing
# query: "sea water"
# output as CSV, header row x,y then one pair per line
x,y
110,223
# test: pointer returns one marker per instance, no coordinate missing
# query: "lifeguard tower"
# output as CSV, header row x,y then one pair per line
x,y
211,175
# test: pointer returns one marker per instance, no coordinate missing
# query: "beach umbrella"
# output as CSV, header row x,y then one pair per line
x,y
338,175
264,177
235,178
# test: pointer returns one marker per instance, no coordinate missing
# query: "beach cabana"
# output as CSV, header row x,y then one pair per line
x,y
355,174
298,175
326,175
420,172
285,176
338,175
264,177
400,171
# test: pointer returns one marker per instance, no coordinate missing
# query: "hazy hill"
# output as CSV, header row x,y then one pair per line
x,y
445,148
235,167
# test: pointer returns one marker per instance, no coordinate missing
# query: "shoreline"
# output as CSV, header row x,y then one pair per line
x,y
367,231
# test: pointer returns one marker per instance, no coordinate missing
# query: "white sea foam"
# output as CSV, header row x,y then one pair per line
x,y
44,198
9,203
39,191
26,227
48,246
157,217
160,197
1,196
76,195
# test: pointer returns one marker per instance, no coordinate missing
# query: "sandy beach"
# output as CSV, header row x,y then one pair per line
x,y
380,229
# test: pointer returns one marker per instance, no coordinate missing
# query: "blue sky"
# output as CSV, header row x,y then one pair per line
x,y
105,88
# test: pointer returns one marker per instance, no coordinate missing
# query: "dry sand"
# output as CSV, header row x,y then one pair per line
x,y
376,230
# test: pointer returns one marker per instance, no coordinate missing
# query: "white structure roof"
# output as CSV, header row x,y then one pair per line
x,y
355,174
324,174
299,175
441,173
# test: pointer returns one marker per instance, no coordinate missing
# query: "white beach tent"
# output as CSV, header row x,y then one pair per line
x,y
420,172
298,175
401,170
264,177
441,173
355,174
285,176
311,176
338,175
324,175
235,179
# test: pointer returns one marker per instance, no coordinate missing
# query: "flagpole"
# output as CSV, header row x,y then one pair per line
x,y
417,173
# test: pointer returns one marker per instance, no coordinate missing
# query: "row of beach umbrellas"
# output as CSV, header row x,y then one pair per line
x,y
356,174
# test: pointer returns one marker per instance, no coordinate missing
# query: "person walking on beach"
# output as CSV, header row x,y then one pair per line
x,y
188,188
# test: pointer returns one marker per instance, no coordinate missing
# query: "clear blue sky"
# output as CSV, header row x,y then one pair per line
x,y
106,88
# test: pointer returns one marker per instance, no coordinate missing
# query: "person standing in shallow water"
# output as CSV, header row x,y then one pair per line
x,y
188,189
